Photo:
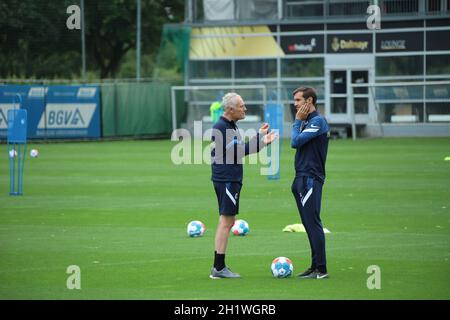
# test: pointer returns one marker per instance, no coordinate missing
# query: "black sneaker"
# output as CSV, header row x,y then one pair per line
x,y
316,274
306,273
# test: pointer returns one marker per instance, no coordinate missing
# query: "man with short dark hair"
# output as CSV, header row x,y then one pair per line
x,y
310,135
227,172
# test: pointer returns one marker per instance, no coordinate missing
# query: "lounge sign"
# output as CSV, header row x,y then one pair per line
x,y
399,42
346,43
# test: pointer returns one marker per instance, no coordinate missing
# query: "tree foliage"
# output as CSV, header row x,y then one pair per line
x,y
35,42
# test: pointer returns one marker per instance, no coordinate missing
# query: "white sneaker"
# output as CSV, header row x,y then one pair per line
x,y
224,273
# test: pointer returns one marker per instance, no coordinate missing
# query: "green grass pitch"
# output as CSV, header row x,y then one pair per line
x,y
119,211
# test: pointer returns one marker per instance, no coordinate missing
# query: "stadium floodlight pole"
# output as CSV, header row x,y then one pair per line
x,y
83,44
189,13
138,40
174,116
280,9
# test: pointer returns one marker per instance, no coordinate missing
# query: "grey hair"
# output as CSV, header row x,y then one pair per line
x,y
230,100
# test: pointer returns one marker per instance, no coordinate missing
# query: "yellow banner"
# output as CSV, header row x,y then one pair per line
x,y
229,42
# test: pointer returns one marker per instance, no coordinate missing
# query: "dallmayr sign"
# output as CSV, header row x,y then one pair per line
x,y
349,43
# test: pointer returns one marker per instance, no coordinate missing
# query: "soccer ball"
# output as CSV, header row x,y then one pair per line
x,y
282,267
195,228
34,153
240,228
12,153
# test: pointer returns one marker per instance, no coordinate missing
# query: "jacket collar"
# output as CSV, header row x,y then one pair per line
x,y
228,121
312,115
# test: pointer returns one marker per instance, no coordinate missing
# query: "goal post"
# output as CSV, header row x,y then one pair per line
x,y
203,96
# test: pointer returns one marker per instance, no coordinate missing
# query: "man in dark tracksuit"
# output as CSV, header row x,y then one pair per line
x,y
310,135
226,166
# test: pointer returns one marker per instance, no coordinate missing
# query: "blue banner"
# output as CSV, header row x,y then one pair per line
x,y
54,111
9,101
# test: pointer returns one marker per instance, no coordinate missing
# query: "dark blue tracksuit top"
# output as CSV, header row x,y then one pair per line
x,y
310,138
228,151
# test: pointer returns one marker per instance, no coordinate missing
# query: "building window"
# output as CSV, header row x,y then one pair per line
x,y
361,105
401,112
399,66
438,93
433,5
399,93
295,9
400,6
338,105
256,68
302,67
289,87
438,64
214,69
438,112
348,8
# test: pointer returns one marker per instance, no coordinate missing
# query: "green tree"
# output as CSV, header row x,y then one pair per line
x,y
35,42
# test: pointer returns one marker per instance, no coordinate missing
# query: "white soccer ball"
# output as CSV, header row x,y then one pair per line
x,y
34,153
195,229
12,153
282,267
240,228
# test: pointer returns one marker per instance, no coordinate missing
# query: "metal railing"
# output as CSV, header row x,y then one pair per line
x,y
327,9
345,8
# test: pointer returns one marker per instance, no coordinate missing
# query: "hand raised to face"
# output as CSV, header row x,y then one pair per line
x,y
302,112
